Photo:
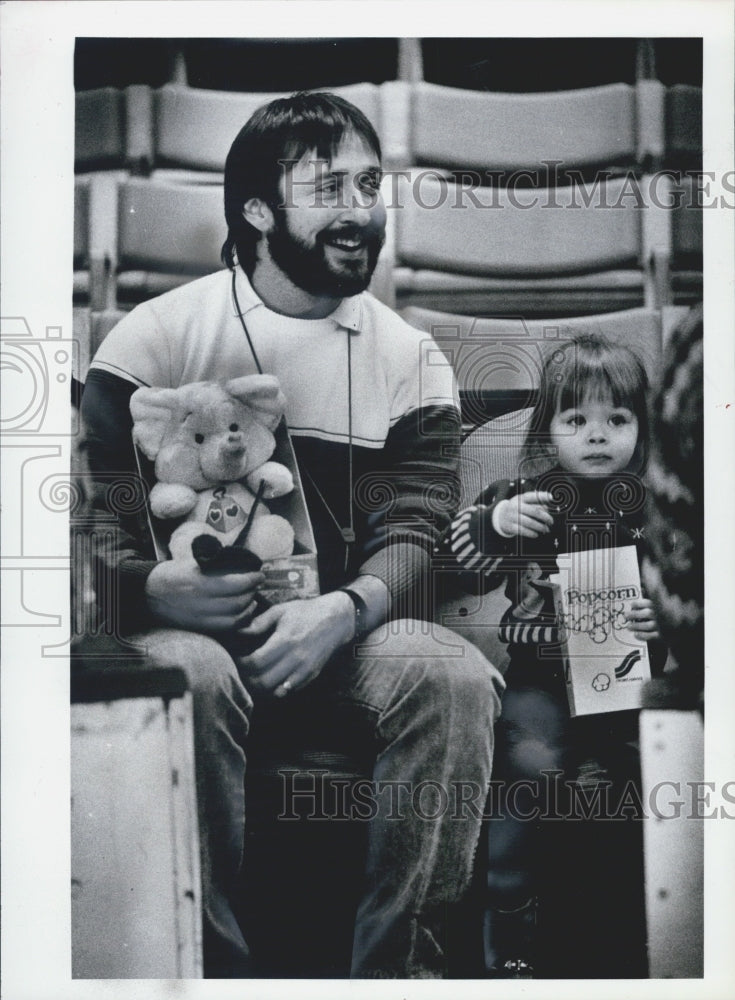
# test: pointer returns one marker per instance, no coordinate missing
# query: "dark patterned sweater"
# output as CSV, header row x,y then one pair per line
x,y
588,514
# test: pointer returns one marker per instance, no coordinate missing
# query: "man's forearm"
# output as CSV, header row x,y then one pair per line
x,y
372,607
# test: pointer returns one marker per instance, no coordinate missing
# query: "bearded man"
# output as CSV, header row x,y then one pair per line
x,y
369,412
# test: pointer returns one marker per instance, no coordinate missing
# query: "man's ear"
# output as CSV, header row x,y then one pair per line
x,y
258,214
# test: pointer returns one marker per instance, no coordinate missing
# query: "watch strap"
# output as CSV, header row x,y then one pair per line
x,y
361,627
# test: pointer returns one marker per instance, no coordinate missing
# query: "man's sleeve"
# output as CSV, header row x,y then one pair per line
x,y
123,550
421,484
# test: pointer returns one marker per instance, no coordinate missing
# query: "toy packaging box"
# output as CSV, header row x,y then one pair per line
x,y
605,666
295,575
287,578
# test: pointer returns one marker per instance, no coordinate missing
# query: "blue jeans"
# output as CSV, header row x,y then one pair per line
x,y
429,701
540,751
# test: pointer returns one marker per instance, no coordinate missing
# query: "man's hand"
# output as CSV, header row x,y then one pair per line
x,y
525,514
642,620
180,594
305,635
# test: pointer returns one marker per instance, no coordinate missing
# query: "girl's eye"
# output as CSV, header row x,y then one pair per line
x,y
618,419
577,420
199,438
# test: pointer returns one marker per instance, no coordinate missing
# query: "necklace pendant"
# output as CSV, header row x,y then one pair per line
x,y
348,535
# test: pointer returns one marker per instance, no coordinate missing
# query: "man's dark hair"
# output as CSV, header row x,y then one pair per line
x,y
283,130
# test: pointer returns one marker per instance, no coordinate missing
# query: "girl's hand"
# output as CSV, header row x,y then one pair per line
x,y
525,514
641,620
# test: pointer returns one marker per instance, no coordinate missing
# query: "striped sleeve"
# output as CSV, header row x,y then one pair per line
x,y
472,545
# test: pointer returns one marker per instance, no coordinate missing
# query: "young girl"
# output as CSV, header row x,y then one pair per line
x,y
589,433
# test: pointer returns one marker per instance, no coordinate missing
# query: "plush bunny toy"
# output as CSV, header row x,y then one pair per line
x,y
211,444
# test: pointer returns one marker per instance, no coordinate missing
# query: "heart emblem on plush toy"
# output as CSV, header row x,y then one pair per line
x,y
224,513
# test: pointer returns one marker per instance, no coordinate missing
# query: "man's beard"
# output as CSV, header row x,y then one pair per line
x,y
309,268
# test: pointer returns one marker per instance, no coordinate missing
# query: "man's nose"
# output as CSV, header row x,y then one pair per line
x,y
360,205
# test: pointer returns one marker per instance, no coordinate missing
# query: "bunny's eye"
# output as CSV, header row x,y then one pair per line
x,y
199,438
234,427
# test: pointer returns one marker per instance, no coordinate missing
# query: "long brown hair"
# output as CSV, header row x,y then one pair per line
x,y
588,366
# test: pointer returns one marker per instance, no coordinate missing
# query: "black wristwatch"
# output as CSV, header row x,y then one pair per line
x,y
361,628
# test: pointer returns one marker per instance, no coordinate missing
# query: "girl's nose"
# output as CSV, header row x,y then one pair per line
x,y
596,432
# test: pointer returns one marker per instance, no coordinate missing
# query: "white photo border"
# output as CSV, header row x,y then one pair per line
x,y
37,174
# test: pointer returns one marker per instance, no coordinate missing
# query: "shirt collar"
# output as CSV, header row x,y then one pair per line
x,y
348,314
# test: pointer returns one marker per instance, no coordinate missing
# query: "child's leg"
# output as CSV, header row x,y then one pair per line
x,y
530,748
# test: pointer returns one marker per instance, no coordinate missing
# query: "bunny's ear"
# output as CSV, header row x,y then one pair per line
x,y
152,411
262,394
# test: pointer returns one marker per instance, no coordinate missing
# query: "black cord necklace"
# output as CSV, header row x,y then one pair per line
x,y
348,532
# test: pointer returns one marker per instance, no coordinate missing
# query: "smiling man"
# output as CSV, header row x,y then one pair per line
x,y
374,421
331,252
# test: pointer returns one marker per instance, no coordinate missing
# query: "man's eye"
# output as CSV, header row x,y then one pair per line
x,y
369,182
199,438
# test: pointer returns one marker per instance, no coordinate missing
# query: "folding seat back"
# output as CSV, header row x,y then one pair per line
x,y
195,128
617,124
498,362
504,251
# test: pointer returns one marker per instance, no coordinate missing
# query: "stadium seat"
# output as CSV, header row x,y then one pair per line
x,y
99,132
145,238
113,129
521,251
159,235
683,125
497,362
610,126
81,238
503,150
687,243
195,128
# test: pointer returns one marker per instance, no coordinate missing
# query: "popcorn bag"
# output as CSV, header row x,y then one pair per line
x,y
605,666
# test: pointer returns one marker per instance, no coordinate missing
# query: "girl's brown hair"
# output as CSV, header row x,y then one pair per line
x,y
588,366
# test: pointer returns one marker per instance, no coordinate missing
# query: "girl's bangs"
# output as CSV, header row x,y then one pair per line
x,y
591,379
